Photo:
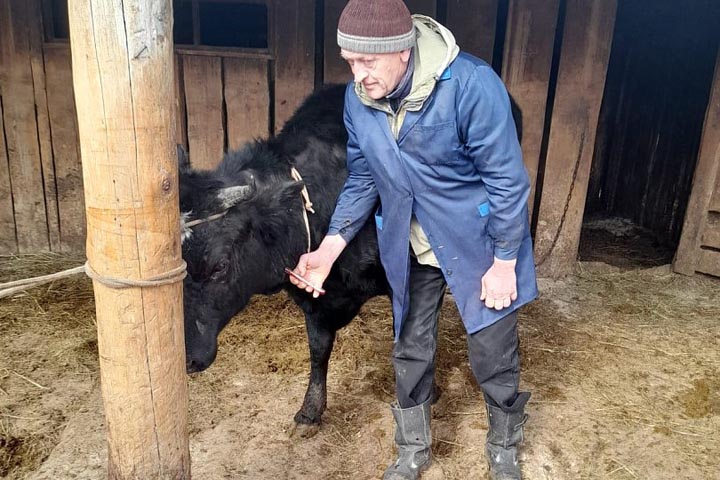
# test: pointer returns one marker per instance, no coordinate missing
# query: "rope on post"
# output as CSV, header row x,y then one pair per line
x,y
175,275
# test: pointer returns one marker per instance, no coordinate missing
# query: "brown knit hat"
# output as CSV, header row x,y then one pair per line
x,y
375,26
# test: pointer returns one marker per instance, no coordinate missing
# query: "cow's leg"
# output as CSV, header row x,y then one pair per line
x,y
321,328
321,338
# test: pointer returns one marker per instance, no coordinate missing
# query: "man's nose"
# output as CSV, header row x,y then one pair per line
x,y
360,75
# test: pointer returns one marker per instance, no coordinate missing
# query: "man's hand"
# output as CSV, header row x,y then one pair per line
x,y
499,284
316,265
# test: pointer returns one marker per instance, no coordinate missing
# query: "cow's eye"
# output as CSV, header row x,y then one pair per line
x,y
220,269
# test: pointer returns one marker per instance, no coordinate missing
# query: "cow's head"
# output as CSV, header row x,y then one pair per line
x,y
242,224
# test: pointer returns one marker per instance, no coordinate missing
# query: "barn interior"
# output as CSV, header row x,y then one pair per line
x,y
620,352
656,96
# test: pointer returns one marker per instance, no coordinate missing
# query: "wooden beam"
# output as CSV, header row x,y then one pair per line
x,y
202,78
706,183
473,24
587,39
526,72
122,60
247,100
8,240
294,45
21,127
336,70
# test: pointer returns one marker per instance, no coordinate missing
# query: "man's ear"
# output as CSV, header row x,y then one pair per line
x,y
405,55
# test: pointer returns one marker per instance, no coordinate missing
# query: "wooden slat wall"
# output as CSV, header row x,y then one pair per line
x,y
700,229
247,98
180,111
526,71
473,24
21,128
581,81
202,77
422,7
65,146
294,43
8,241
335,69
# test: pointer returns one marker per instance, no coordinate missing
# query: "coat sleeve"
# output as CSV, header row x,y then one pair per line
x,y
488,131
359,196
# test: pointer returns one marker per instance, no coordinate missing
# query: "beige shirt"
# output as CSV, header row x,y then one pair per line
x,y
420,245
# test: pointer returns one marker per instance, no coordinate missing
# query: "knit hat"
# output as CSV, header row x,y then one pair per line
x,y
375,26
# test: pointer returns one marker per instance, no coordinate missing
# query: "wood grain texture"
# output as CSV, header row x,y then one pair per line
x,y
294,56
581,81
247,100
689,258
473,23
21,127
8,240
336,70
526,72
123,65
66,148
202,78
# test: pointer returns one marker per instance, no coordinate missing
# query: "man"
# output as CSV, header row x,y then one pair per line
x,y
432,137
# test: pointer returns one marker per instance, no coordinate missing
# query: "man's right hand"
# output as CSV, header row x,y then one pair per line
x,y
315,266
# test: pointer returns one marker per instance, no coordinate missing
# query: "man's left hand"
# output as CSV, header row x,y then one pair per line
x,y
499,284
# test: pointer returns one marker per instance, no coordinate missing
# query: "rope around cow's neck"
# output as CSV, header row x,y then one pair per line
x,y
307,204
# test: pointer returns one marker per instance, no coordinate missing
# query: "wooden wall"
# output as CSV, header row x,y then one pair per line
x,y
553,58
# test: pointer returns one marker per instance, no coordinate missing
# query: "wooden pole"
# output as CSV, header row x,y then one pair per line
x,y
122,54
580,85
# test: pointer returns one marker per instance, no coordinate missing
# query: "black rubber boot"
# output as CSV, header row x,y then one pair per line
x,y
505,433
413,439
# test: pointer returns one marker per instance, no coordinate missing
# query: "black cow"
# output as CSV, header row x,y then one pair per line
x,y
244,252
252,227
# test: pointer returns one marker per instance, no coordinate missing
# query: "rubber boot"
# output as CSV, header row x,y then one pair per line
x,y
413,439
505,433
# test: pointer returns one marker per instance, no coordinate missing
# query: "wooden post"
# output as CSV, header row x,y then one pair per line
x,y
702,218
526,72
122,54
581,81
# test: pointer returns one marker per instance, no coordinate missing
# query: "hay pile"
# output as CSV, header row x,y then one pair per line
x,y
623,366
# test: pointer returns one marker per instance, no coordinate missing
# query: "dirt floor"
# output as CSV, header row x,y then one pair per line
x,y
624,367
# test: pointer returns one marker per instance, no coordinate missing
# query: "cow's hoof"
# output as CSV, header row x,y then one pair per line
x,y
304,430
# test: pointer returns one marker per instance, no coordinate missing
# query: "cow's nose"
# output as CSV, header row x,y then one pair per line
x,y
194,366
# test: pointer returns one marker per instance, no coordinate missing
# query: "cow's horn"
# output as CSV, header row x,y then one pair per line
x,y
231,196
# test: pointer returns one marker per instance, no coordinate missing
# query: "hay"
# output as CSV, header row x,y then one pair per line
x,y
623,366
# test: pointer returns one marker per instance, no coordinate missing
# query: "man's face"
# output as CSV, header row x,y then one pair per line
x,y
379,73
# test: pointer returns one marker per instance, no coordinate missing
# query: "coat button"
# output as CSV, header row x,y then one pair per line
x,y
449,272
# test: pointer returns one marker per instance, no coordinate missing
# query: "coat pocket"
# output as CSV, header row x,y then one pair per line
x,y
434,144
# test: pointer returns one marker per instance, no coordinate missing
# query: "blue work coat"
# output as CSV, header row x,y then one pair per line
x,y
457,166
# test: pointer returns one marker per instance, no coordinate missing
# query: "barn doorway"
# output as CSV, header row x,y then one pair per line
x,y
651,120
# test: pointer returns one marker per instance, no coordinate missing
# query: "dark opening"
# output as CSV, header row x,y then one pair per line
x,y
220,24
656,94
59,21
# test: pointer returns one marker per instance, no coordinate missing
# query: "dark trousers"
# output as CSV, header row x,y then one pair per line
x,y
493,351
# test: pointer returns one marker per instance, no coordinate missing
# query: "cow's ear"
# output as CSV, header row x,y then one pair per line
x,y
183,159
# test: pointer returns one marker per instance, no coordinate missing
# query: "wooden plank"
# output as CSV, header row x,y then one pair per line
x,y
35,34
180,110
422,7
21,128
247,100
705,181
202,77
473,24
295,56
122,63
336,70
66,149
580,85
526,72
711,231
708,262
8,240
